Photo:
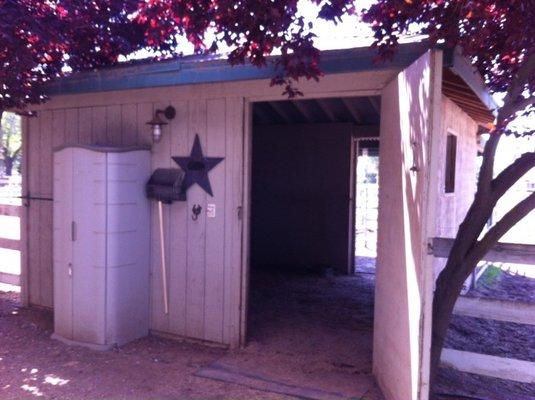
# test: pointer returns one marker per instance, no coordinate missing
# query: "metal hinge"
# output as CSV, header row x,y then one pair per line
x,y
73,231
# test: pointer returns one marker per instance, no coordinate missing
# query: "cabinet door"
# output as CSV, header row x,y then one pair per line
x,y
62,248
89,245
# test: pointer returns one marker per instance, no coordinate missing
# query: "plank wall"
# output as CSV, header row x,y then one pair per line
x,y
199,253
452,207
207,258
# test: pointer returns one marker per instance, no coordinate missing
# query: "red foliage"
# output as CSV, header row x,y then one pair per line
x,y
496,35
38,38
252,29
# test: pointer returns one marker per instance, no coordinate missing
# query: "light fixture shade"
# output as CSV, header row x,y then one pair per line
x,y
156,133
157,122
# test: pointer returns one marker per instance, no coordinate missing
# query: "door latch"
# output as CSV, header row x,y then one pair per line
x,y
73,231
196,211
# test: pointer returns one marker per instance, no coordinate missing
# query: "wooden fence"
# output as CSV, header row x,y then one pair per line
x,y
12,211
500,310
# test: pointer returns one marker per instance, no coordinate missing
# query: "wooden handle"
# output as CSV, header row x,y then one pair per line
x,y
162,252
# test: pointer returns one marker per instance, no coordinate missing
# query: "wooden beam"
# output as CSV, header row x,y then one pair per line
x,y
483,364
10,210
10,244
227,374
351,108
269,112
10,279
503,252
324,106
366,131
301,107
499,310
375,104
259,112
281,111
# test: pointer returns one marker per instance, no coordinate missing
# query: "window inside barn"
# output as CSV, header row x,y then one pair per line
x,y
451,155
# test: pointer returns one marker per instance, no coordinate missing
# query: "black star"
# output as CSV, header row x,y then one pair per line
x,y
196,167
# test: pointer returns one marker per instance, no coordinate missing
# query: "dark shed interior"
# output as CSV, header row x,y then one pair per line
x,y
302,211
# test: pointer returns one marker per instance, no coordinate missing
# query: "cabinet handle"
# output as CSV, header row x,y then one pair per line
x,y
73,231
70,269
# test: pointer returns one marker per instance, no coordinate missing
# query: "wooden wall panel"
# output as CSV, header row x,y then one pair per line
x,y
195,294
52,133
452,207
84,125
159,320
179,214
144,114
129,127
33,158
98,125
113,125
215,225
403,289
233,276
71,126
203,256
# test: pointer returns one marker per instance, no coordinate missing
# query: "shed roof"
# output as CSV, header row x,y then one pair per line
x,y
203,69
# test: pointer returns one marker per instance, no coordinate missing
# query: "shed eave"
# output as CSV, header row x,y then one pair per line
x,y
456,62
196,70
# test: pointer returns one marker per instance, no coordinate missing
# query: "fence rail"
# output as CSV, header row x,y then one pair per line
x,y
10,210
10,279
500,310
484,364
513,253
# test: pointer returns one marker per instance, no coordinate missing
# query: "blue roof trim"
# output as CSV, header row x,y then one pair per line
x,y
192,70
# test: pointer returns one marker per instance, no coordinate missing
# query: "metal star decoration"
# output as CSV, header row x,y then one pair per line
x,y
196,167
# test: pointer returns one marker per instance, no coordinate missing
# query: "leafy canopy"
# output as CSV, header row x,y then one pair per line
x,y
41,40
38,39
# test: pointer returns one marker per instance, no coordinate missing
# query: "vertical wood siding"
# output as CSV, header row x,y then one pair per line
x,y
452,207
203,256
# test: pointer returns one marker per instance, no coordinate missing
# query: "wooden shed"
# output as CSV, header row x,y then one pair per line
x,y
412,104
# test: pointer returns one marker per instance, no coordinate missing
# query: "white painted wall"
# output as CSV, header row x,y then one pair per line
x,y
206,274
452,207
403,295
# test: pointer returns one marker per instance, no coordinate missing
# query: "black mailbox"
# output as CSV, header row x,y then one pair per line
x,y
165,185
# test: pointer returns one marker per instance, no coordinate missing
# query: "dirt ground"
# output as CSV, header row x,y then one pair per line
x,y
504,285
34,366
318,328
305,330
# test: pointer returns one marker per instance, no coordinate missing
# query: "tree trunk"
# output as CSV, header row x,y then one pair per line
x,y
8,165
468,249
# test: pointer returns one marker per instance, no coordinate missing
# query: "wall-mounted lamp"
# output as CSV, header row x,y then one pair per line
x,y
157,121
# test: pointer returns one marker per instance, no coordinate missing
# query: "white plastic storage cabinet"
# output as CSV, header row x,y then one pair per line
x,y
101,245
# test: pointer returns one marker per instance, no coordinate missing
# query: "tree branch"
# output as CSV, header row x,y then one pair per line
x,y
516,88
486,172
521,104
501,228
510,175
16,152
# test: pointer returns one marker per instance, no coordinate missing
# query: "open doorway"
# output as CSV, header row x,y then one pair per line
x,y
307,307
366,204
